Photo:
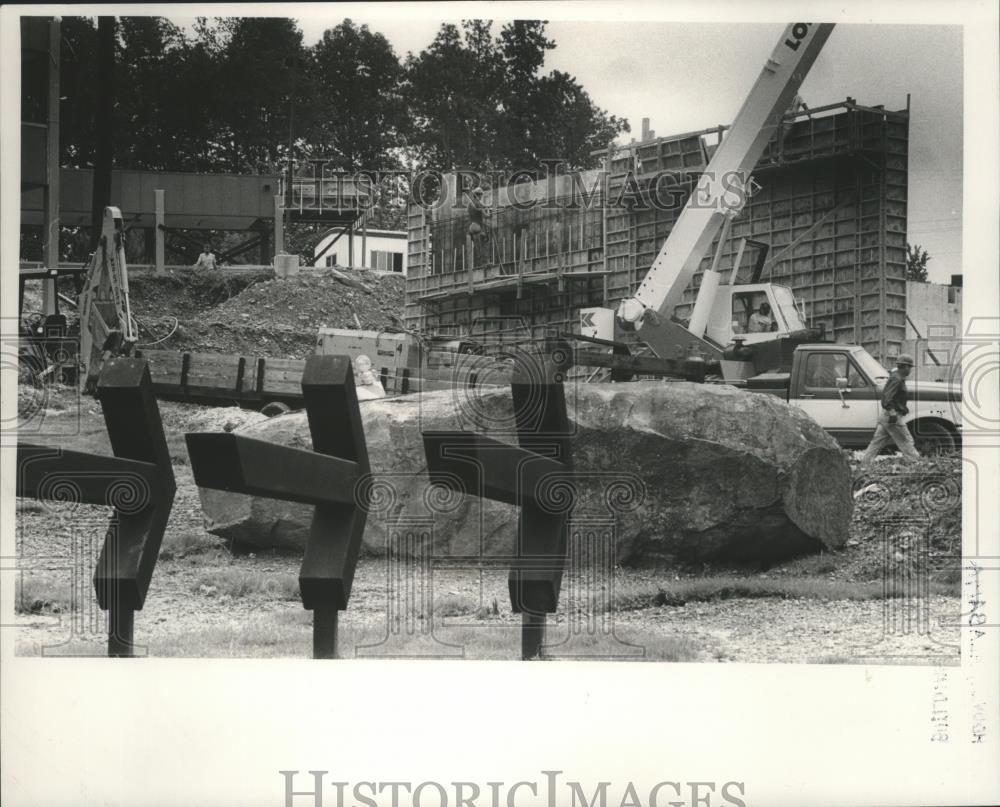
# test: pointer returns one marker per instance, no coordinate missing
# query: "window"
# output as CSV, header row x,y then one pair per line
x,y
385,260
823,370
744,305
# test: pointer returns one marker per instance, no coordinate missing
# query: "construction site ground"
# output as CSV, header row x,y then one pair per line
x,y
251,312
209,599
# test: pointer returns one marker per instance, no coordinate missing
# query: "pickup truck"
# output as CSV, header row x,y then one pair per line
x,y
840,386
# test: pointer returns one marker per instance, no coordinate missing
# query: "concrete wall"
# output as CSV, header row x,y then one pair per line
x,y
934,323
378,241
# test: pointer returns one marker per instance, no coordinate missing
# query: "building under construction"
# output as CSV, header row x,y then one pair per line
x,y
829,204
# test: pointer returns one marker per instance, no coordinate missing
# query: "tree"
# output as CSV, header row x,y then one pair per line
x,y
359,115
452,91
240,94
916,263
150,106
78,87
481,102
258,81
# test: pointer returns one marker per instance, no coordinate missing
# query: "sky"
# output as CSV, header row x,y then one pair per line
x,y
688,76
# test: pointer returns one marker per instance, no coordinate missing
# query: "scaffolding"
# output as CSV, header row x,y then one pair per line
x,y
831,204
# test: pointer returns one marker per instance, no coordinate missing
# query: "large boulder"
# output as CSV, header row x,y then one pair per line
x,y
691,471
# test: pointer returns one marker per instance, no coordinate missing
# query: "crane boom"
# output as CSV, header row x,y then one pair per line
x,y
720,190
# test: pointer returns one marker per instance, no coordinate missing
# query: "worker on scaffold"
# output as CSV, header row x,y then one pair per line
x,y
479,212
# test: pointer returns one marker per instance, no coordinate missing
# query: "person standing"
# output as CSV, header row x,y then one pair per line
x,y
479,212
207,258
891,428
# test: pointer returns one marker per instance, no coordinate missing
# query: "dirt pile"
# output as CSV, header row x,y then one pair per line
x,y
309,301
267,316
906,514
184,292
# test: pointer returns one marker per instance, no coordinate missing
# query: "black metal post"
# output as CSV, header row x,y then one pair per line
x,y
121,630
532,635
325,632
138,482
328,477
525,476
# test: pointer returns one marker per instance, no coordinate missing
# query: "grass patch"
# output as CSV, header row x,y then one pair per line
x,y
288,634
235,583
459,605
949,577
42,595
180,545
901,661
629,596
454,605
823,563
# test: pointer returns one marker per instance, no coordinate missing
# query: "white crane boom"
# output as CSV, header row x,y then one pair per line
x,y
720,190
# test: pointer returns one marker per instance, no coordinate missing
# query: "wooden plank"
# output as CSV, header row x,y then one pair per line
x,y
213,370
294,365
281,386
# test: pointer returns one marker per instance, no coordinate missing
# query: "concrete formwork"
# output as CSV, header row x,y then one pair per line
x,y
831,205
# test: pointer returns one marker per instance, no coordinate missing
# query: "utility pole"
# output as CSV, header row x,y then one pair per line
x,y
103,126
50,238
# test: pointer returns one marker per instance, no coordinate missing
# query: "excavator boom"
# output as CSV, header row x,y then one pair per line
x,y
106,325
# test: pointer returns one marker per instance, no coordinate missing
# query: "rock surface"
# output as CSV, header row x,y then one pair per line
x,y
699,472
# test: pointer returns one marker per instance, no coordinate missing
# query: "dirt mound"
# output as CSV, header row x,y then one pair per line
x,y
218,337
265,316
309,301
185,292
906,513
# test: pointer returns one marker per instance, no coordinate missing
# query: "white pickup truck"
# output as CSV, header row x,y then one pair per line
x,y
840,386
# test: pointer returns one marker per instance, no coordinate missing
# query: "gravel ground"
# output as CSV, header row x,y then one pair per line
x,y
205,597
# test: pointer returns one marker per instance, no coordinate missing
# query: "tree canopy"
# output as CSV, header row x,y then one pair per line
x,y
241,94
916,262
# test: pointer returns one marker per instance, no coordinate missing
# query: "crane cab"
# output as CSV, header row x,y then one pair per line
x,y
735,314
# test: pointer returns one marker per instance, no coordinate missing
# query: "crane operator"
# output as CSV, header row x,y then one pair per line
x,y
760,320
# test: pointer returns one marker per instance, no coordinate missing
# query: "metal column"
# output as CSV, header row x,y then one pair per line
x,y
160,208
50,236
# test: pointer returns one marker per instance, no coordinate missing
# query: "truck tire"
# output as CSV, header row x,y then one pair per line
x,y
931,437
275,408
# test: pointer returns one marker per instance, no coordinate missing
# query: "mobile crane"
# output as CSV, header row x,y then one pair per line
x,y
718,197
837,384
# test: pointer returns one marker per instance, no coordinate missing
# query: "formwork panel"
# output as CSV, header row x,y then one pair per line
x,y
831,206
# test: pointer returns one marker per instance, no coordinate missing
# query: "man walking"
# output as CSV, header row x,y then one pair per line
x,y
891,428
